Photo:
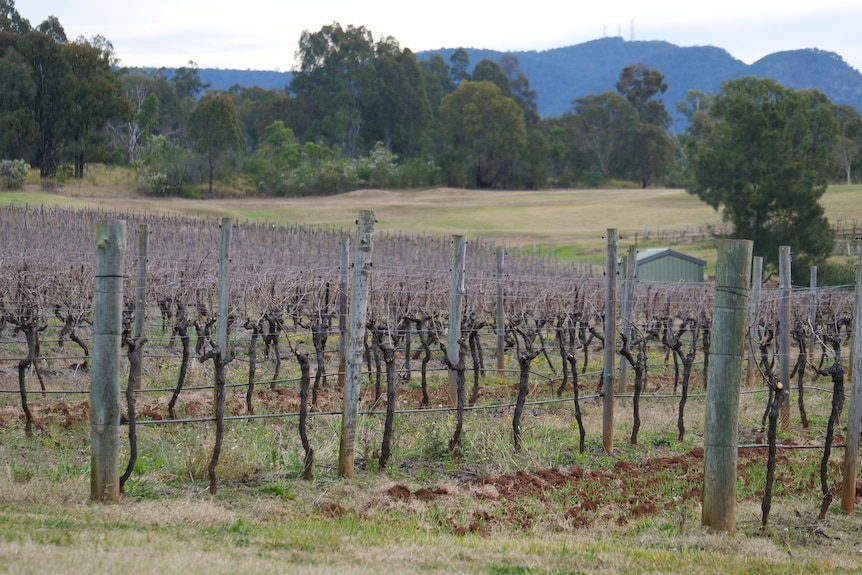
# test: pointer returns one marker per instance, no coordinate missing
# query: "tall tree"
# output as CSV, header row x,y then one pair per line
x,y
650,153
489,71
402,114
765,165
436,80
214,127
603,124
848,148
337,80
19,130
52,27
97,98
486,135
521,92
643,88
459,65
11,20
52,98
187,82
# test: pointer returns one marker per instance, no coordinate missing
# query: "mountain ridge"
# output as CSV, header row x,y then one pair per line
x,y
561,75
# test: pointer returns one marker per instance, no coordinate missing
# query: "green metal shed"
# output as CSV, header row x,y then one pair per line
x,y
667,265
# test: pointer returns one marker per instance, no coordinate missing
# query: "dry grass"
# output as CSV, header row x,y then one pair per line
x,y
267,520
572,223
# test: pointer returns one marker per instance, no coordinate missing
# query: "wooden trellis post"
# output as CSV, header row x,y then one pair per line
x,y
754,310
854,413
501,318
721,428
610,336
630,265
223,285
343,279
140,302
355,337
784,334
812,314
456,299
105,372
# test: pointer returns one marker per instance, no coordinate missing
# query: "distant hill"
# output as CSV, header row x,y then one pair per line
x,y
561,75
224,79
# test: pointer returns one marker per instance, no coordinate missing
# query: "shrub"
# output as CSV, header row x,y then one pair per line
x,y
13,173
416,173
167,169
378,169
832,273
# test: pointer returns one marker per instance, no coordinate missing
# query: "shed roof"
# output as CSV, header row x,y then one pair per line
x,y
652,254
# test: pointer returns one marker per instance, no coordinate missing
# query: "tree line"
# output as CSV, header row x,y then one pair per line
x,y
361,112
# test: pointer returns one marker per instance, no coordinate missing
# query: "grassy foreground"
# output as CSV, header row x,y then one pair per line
x,y
546,509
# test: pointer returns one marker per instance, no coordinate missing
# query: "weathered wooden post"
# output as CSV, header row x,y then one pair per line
x,y
140,303
732,289
610,343
854,414
105,372
355,336
812,314
754,310
223,285
784,334
456,299
220,355
629,270
343,278
501,318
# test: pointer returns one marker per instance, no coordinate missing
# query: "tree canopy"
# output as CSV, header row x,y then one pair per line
x,y
214,128
765,162
486,131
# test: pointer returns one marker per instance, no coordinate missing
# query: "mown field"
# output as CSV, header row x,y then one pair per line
x,y
568,223
485,508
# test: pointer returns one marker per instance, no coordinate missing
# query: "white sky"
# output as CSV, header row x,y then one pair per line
x,y
263,35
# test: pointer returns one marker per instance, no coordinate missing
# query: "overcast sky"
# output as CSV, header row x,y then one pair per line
x,y
264,35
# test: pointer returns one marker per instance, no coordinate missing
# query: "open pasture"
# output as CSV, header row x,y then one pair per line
x,y
567,223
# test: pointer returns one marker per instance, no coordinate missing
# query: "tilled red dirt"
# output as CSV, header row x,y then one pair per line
x,y
572,498
625,493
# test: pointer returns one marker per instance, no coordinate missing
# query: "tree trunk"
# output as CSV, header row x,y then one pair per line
x,y
304,384
385,448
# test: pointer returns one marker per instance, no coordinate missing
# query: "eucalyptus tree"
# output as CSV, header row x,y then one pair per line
x,y
96,98
848,148
643,88
485,135
19,130
521,91
11,21
214,128
337,80
401,116
603,125
50,104
765,162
